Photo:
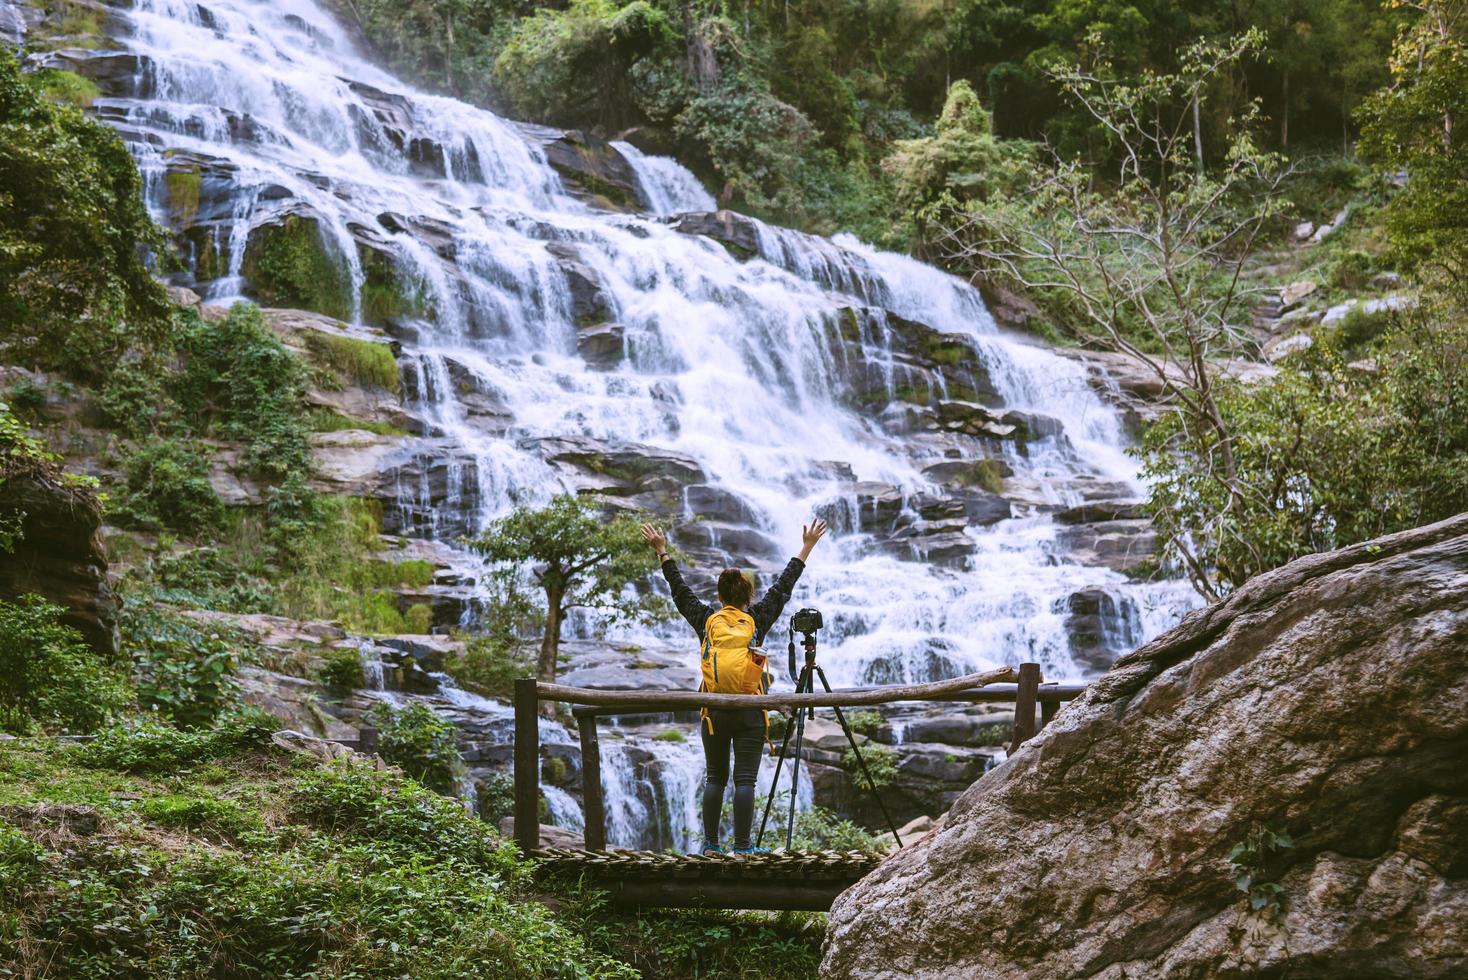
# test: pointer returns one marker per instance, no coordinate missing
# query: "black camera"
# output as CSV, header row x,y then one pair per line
x,y
806,621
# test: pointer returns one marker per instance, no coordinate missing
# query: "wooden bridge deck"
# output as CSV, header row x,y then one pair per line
x,y
802,881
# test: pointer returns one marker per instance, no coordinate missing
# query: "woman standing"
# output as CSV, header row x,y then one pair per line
x,y
733,631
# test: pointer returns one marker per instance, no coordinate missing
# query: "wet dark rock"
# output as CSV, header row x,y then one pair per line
x,y
1010,309
886,358
1126,546
623,469
590,167
966,725
590,302
971,418
387,127
738,544
712,503
738,234
59,553
118,74
1101,510
1101,626
603,345
877,505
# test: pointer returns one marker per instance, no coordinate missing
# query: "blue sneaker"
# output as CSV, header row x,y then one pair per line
x,y
710,850
751,850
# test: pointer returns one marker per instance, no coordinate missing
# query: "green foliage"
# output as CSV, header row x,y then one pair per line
x,y
166,485
670,735
816,828
1325,455
491,664
1409,126
272,871
1248,862
155,749
325,420
365,362
881,766
421,743
672,945
204,578
50,681
291,264
341,670
184,670
577,558
961,162
74,291
496,798
864,722
1351,270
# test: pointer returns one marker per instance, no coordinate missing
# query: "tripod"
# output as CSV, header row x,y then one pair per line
x,y
805,684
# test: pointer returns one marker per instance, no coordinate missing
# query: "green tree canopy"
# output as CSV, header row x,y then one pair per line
x,y
579,559
75,292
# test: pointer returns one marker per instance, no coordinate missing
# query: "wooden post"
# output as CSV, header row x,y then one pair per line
x,y
596,819
367,740
527,766
1024,705
1048,708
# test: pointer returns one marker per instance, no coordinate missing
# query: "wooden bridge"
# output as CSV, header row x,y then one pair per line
x,y
778,881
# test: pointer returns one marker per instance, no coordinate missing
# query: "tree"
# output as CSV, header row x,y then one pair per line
x,y
1416,124
1149,262
75,292
579,559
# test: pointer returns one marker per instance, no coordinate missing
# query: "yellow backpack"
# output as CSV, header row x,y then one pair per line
x,y
731,663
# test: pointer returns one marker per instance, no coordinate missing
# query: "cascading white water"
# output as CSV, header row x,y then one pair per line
x,y
733,363
667,186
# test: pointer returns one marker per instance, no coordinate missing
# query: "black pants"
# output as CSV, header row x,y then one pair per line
x,y
744,732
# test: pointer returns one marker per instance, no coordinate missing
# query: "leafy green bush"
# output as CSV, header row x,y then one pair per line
x,y
1351,270
50,680
421,743
341,670
364,362
496,798
350,797
75,293
150,747
383,878
490,665
881,765
183,670
166,485
204,578
865,722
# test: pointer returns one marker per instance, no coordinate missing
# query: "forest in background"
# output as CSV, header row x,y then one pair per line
x,y
820,115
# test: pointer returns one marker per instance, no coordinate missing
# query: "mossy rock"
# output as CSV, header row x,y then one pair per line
x,y
363,362
183,187
290,264
387,293
68,87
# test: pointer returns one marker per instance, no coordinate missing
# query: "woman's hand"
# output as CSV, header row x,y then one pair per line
x,y
657,539
809,535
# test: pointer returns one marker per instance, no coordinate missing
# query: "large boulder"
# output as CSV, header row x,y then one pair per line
x,y
1326,701
58,551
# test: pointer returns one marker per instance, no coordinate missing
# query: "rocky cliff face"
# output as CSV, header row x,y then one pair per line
x,y
1326,701
58,552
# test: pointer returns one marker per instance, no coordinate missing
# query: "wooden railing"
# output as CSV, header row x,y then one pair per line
x,y
1023,687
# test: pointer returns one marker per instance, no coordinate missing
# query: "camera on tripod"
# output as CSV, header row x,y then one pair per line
x,y
806,621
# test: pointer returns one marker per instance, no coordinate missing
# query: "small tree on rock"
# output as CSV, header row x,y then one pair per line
x,y
579,558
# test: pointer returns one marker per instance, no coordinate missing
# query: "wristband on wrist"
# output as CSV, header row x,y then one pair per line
x,y
662,558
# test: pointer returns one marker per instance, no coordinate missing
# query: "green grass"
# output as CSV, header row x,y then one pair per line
x,y
68,87
326,420
255,863
363,362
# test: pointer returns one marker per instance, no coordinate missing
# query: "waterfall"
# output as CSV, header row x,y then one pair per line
x,y
762,380
667,188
